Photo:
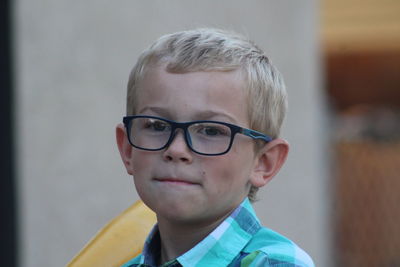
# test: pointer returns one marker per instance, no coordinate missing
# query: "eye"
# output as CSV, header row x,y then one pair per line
x,y
212,130
156,125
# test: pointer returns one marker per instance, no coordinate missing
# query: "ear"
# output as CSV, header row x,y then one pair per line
x,y
125,149
268,162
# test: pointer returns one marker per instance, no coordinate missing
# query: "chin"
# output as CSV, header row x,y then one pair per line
x,y
179,212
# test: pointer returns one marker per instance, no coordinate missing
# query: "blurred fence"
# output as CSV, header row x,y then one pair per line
x,y
367,184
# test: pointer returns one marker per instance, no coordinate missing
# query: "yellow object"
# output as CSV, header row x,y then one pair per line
x,y
119,240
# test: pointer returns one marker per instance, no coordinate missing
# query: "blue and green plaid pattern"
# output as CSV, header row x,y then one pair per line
x,y
239,241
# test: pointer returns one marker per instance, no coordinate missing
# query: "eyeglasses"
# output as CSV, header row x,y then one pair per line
x,y
210,138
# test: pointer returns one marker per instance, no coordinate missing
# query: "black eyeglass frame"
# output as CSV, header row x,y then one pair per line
x,y
185,125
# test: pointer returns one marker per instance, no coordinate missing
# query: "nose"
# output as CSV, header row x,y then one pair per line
x,y
178,150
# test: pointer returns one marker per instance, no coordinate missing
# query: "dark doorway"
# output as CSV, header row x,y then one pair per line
x,y
7,187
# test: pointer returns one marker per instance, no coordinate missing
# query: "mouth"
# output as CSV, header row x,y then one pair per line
x,y
175,181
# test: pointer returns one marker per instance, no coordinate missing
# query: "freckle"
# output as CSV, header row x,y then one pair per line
x,y
203,174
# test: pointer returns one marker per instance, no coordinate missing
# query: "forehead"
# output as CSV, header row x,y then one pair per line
x,y
193,92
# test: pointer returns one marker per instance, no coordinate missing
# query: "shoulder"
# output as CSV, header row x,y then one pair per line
x,y
133,262
268,248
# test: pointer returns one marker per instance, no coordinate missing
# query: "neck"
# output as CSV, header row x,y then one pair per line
x,y
178,238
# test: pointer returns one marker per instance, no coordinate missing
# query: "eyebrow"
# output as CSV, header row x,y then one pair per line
x,y
202,115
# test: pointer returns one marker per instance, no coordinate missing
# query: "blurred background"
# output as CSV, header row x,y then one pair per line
x,y
64,69
361,51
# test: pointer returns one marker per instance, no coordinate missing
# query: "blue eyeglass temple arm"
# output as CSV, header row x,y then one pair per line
x,y
255,135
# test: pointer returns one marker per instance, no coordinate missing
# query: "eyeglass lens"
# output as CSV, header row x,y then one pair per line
x,y
203,137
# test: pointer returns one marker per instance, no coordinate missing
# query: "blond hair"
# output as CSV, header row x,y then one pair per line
x,y
218,50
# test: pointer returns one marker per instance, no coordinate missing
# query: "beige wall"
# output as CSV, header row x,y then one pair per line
x,y
72,64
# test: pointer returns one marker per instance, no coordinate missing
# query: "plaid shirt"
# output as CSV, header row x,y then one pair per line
x,y
239,241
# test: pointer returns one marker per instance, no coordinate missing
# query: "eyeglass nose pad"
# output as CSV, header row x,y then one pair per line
x,y
188,138
172,138
173,135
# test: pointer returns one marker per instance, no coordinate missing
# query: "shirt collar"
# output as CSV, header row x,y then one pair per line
x,y
222,245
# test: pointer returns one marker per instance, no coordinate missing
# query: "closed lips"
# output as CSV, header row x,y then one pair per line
x,y
175,180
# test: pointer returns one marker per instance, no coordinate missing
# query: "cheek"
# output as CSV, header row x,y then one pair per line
x,y
239,164
141,162
226,171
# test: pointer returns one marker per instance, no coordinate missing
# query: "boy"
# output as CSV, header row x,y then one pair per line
x,y
204,109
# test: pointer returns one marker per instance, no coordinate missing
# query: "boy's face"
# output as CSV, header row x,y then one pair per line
x,y
178,184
